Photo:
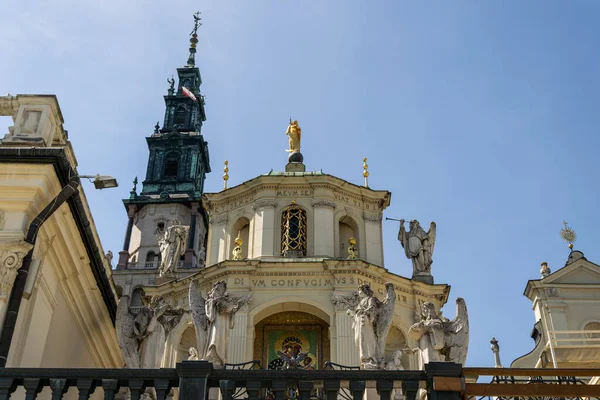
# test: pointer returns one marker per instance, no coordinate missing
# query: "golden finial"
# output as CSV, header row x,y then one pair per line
x,y
352,252
366,171
237,250
225,174
568,235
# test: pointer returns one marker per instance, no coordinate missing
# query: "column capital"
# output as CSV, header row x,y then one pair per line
x,y
11,259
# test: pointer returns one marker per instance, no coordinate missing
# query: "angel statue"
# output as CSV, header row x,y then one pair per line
x,y
171,82
371,322
418,246
152,325
171,243
440,339
128,341
218,317
294,134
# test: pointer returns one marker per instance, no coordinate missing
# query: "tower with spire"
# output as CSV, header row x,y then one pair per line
x,y
171,192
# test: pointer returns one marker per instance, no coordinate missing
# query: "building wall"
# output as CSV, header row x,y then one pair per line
x,y
63,319
64,268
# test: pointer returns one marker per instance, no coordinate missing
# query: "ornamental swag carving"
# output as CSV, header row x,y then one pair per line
x,y
11,259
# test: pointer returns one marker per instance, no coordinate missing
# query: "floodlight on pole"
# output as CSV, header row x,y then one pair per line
x,y
102,181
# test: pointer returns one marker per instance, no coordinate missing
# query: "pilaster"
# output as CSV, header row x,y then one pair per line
x,y
264,229
237,338
324,228
347,353
374,243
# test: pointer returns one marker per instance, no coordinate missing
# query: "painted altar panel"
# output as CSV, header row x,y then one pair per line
x,y
293,340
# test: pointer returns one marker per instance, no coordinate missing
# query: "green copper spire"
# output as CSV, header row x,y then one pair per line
x,y
191,62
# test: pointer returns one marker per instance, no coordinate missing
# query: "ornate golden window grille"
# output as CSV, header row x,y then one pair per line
x,y
293,231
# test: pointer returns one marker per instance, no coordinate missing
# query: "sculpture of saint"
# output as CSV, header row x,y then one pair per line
x,y
128,340
294,134
171,243
440,339
371,323
152,324
193,354
213,318
418,245
395,364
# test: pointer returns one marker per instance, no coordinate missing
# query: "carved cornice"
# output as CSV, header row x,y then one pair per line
x,y
374,218
218,219
323,203
11,259
264,204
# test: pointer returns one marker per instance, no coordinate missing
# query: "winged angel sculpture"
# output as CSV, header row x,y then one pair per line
x,y
212,320
440,339
371,322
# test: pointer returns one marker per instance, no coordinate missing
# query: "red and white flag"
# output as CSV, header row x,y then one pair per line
x,y
188,93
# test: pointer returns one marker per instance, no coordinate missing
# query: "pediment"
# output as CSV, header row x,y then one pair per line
x,y
581,272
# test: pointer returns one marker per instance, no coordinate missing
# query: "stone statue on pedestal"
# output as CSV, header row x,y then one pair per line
x,y
440,339
213,318
418,246
171,242
152,324
372,319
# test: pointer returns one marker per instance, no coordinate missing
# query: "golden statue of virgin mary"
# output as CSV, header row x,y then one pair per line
x,y
294,133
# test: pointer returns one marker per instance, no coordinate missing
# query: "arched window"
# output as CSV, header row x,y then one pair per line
x,y
171,165
347,229
595,328
179,116
293,232
241,228
150,259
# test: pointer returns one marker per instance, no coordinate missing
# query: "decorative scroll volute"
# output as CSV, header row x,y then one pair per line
x,y
11,259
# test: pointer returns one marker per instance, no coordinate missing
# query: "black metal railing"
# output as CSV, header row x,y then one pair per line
x,y
199,381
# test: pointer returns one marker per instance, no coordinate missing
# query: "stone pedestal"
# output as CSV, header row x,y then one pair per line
x,y
425,278
189,259
123,258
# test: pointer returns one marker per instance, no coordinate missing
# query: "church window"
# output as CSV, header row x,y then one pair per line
x,y
150,260
293,231
594,327
160,226
171,165
179,116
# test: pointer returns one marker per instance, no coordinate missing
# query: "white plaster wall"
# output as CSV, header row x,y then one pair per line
x,y
64,347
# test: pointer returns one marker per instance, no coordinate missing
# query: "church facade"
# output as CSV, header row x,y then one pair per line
x,y
295,242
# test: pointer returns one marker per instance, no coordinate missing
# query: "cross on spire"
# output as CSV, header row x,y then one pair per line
x,y
193,40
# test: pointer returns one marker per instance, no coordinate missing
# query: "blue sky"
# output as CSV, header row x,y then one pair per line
x,y
479,115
